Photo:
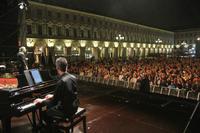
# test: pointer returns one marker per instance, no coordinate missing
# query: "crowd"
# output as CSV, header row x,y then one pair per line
x,y
181,73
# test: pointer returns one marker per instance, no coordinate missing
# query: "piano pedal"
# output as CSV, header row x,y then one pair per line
x,y
39,128
43,124
35,130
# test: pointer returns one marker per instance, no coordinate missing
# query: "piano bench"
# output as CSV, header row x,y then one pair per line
x,y
66,124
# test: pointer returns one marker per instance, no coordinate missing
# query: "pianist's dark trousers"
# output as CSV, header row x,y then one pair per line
x,y
53,113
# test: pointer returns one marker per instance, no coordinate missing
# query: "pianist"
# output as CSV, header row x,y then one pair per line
x,y
64,102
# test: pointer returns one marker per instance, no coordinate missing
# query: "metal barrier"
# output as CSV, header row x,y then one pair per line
x,y
182,93
164,90
173,92
131,85
179,93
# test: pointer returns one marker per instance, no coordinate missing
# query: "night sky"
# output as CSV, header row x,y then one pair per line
x,y
165,14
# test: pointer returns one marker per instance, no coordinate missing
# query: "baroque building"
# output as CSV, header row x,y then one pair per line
x,y
189,40
60,31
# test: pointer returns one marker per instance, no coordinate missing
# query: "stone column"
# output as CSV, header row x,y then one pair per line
x,y
82,53
95,53
68,51
123,53
115,53
106,53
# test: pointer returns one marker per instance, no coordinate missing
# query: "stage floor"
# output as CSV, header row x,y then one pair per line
x,y
109,112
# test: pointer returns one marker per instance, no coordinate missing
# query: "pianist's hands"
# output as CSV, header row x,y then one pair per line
x,y
38,100
49,96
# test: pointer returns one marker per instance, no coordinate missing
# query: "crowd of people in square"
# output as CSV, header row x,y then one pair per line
x,y
174,73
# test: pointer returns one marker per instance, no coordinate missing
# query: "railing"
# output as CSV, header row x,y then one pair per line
x,y
182,93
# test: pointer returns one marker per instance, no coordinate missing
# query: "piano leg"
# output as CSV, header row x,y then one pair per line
x,y
40,116
34,120
6,124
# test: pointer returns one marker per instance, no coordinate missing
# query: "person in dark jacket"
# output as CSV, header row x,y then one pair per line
x,y
64,102
144,84
21,57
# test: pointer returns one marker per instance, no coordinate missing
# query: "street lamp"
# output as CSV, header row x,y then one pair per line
x,y
184,44
23,7
119,37
159,40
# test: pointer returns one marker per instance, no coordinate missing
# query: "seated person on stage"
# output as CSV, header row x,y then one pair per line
x,y
64,102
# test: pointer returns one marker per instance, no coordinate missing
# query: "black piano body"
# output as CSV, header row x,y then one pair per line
x,y
17,102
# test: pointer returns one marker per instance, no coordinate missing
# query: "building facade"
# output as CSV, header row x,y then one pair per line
x,y
53,30
188,41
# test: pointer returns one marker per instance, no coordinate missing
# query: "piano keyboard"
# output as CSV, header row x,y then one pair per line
x,y
28,106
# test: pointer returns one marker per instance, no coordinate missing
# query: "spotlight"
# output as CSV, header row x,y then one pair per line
x,y
23,4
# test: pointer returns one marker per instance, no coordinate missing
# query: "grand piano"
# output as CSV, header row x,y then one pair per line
x,y
17,102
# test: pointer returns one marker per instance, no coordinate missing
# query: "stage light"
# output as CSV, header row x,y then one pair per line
x,y
138,45
23,5
68,43
82,43
95,43
106,44
116,44
132,45
124,44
